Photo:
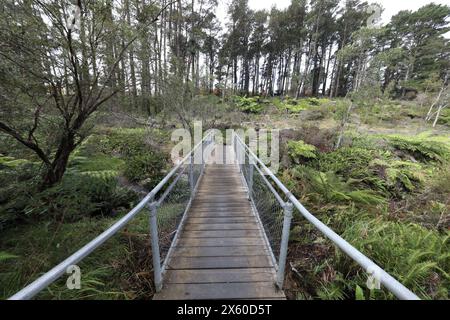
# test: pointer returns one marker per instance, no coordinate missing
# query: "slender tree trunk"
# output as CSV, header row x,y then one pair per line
x,y
438,98
343,125
438,115
325,80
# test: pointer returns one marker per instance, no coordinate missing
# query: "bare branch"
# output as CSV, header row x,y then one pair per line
x,y
27,143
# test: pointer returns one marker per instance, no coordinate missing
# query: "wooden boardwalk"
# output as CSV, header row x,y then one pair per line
x,y
221,253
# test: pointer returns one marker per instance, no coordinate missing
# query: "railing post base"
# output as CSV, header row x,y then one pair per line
x,y
288,208
155,246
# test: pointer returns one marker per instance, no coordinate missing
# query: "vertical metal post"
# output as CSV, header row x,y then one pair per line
x,y
202,150
203,156
191,175
284,243
155,246
240,157
235,146
250,177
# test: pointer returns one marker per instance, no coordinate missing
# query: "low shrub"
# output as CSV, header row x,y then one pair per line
x,y
145,166
250,105
299,150
422,148
404,174
131,153
81,194
124,142
292,105
444,119
417,257
328,187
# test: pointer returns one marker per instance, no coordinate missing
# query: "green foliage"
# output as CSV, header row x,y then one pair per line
x,y
91,184
408,174
292,105
17,185
96,163
108,273
124,142
250,104
369,162
135,157
347,161
11,163
444,119
81,194
423,148
330,291
359,293
6,256
317,101
417,257
328,187
357,180
353,165
299,150
145,166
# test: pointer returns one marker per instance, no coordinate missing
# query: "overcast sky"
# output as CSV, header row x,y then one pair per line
x,y
391,6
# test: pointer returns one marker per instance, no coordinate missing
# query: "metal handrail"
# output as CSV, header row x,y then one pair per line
x,y
51,276
393,285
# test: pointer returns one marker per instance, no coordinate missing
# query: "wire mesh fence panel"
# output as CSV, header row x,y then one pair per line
x,y
270,211
245,168
171,210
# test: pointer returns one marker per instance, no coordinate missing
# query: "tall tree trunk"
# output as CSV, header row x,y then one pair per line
x,y
327,69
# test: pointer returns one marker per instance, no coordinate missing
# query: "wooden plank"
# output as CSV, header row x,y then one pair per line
x,y
217,220
219,275
223,211
216,193
206,214
219,242
219,191
189,263
221,226
226,190
222,234
221,205
220,251
223,291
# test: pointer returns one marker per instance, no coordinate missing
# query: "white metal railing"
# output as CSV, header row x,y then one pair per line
x,y
251,166
187,169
